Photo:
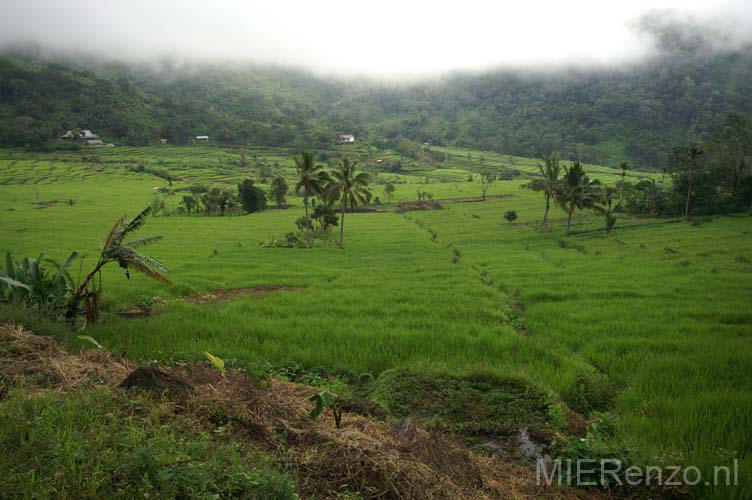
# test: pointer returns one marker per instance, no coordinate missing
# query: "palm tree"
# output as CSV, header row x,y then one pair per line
x,y
124,253
624,166
550,179
609,193
352,187
576,190
694,155
311,180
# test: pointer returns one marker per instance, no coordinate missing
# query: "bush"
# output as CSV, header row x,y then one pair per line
x,y
510,215
591,392
292,239
610,222
31,282
471,404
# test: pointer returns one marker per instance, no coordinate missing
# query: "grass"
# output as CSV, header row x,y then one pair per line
x,y
473,404
95,446
603,321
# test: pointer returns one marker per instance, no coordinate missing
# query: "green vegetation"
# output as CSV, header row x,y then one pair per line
x,y
124,253
473,404
311,181
350,186
30,282
576,191
324,400
633,113
252,197
99,446
647,322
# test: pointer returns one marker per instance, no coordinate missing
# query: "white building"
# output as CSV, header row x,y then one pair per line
x,y
86,136
345,138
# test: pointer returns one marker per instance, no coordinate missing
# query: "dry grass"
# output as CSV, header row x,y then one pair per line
x,y
41,364
228,293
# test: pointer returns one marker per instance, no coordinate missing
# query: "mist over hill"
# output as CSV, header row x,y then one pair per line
x,y
632,112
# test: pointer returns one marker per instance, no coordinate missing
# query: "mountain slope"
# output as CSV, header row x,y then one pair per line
x,y
634,113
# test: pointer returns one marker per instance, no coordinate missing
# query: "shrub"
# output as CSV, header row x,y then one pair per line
x,y
591,392
31,282
300,223
292,239
477,403
610,222
510,215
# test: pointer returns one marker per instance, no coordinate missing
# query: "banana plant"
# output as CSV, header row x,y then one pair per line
x,y
32,282
116,249
323,400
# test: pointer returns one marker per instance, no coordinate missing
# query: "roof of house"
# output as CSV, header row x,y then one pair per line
x,y
202,137
84,134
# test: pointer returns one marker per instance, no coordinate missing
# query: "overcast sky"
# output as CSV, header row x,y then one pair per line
x,y
379,38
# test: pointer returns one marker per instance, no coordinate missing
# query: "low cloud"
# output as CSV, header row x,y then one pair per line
x,y
384,39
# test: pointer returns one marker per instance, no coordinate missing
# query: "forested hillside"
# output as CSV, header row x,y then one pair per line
x,y
632,113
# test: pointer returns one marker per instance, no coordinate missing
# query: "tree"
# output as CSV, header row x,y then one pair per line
x,y
732,144
190,202
224,199
624,166
389,191
351,187
608,197
550,172
576,191
610,222
311,180
161,197
688,163
278,190
252,198
486,181
115,249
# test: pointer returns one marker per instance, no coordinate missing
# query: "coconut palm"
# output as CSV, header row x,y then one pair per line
x,y
576,190
125,254
311,180
694,161
624,167
351,187
549,179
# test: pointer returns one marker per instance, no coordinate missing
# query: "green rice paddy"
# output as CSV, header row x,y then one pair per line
x,y
660,308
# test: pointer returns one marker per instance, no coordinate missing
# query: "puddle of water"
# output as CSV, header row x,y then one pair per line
x,y
520,445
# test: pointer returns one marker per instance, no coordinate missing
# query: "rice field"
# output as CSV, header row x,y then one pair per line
x,y
659,307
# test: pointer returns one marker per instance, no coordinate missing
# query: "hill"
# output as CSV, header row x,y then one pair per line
x,y
634,113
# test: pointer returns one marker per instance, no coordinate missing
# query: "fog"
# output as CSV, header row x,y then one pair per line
x,y
387,39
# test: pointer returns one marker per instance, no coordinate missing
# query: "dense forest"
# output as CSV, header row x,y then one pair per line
x,y
634,112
